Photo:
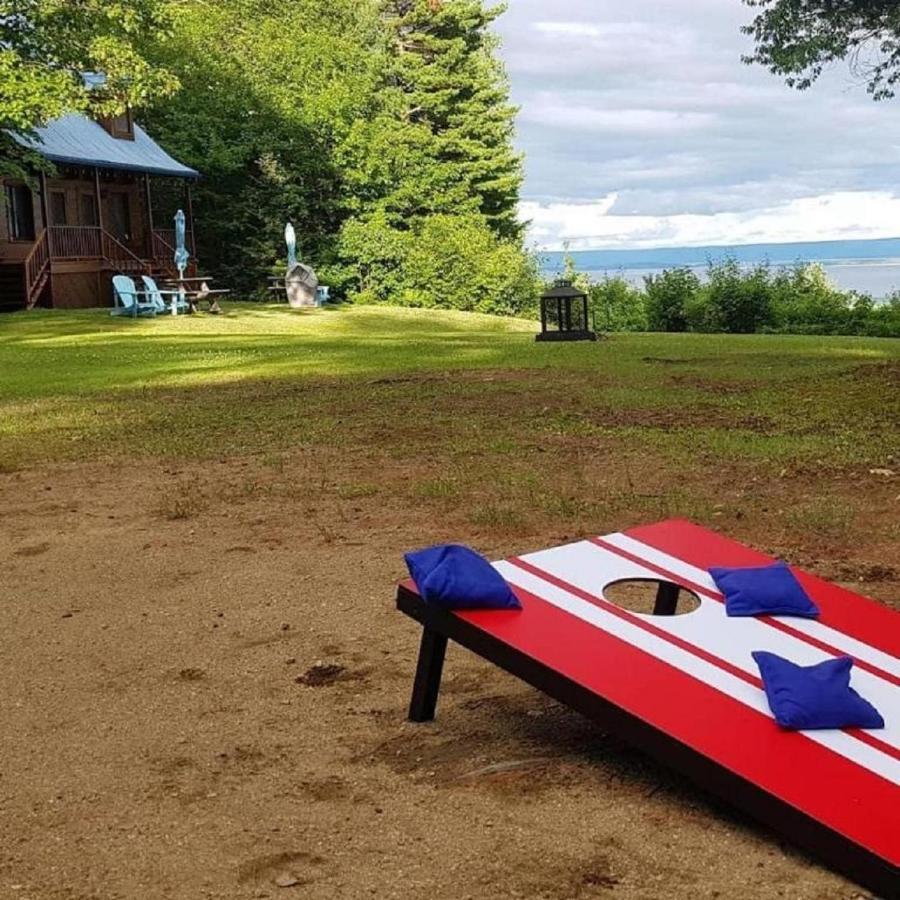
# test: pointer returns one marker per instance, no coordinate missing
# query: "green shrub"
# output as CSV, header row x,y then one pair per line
x,y
580,280
446,261
373,252
618,306
668,296
806,301
737,301
803,298
700,314
884,320
340,278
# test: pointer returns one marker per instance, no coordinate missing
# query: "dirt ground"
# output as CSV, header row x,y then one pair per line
x,y
204,696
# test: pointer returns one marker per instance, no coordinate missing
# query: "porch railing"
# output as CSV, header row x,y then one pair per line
x,y
125,259
164,238
161,247
75,242
90,242
37,269
79,242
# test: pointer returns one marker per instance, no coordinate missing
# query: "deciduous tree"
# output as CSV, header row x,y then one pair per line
x,y
46,46
798,39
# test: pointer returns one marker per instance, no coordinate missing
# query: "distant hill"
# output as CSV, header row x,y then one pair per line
x,y
777,254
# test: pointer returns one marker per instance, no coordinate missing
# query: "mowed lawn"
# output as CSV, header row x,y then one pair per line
x,y
467,413
202,522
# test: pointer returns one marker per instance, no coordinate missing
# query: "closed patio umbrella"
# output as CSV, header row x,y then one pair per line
x,y
181,254
290,237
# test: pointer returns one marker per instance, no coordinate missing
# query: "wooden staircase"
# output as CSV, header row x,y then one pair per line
x,y
25,284
118,258
37,271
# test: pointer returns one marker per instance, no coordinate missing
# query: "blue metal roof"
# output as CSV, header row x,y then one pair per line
x,y
78,140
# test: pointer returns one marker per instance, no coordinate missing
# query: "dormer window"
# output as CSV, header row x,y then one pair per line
x,y
120,127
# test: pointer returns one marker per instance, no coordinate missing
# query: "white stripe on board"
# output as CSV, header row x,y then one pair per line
x,y
615,568
838,639
733,640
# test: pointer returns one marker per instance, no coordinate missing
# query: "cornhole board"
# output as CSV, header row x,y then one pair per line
x,y
685,690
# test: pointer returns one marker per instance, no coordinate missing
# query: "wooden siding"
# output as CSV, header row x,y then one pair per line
x,y
10,250
80,289
87,244
128,187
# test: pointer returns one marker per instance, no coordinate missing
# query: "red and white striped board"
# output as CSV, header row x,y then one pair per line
x,y
686,689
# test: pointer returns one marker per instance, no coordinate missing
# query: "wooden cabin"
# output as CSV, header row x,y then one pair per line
x,y
65,236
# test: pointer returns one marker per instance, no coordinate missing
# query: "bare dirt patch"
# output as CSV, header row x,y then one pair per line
x,y
321,675
682,419
155,744
667,360
33,549
278,869
714,387
886,374
482,376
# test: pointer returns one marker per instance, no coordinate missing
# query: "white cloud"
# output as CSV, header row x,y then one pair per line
x,y
587,29
595,225
648,103
632,36
613,121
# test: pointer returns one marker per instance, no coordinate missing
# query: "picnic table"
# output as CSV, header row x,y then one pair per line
x,y
685,689
196,289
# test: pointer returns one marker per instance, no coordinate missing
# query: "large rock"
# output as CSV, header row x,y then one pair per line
x,y
300,284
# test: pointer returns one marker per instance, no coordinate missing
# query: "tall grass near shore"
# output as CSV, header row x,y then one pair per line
x,y
735,300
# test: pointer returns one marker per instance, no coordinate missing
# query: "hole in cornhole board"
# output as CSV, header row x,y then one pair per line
x,y
652,598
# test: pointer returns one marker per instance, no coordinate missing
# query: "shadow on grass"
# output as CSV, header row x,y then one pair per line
x,y
55,354
265,377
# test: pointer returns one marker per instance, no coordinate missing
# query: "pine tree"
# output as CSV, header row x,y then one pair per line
x,y
441,138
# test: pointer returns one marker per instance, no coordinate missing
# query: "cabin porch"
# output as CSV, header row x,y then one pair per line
x,y
61,243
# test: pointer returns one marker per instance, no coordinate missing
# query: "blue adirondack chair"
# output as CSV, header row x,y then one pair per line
x,y
129,301
322,292
163,300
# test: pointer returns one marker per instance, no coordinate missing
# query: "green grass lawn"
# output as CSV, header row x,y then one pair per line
x,y
466,411
198,513
260,377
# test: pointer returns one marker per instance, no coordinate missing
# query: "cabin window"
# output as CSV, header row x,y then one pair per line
x,y
121,127
20,212
88,212
120,216
58,212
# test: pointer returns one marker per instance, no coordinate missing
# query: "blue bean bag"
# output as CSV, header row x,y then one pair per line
x,y
763,591
456,577
811,697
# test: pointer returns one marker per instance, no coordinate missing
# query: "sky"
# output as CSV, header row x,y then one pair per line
x,y
642,128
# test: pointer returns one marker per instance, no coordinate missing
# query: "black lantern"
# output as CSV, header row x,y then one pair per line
x,y
564,314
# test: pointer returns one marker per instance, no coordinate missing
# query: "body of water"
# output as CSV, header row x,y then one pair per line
x,y
869,266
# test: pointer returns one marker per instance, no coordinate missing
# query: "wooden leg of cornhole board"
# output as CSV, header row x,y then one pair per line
x,y
666,599
428,676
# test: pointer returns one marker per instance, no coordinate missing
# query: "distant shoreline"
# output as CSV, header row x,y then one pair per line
x,y
883,251
883,263
877,278
702,264
869,267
